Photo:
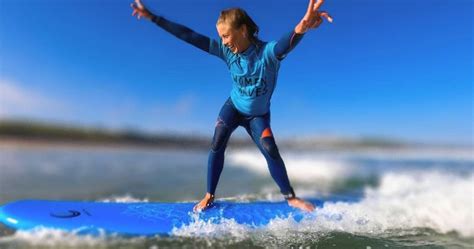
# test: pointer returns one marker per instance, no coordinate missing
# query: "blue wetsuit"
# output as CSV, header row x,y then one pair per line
x,y
254,74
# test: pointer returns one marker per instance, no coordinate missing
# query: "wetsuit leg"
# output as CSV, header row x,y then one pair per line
x,y
227,122
260,131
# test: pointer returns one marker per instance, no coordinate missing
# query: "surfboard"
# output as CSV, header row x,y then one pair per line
x,y
137,219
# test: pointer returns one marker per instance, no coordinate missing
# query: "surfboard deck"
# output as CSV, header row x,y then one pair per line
x,y
137,219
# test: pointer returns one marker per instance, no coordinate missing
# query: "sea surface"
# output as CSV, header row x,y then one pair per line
x,y
404,198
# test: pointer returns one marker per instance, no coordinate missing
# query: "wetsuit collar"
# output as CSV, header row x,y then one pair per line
x,y
248,51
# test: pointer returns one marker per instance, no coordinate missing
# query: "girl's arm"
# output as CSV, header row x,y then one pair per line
x,y
182,32
286,43
312,19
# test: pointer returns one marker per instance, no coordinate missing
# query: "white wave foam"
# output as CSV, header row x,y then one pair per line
x,y
301,168
201,228
439,154
436,200
403,201
52,237
123,199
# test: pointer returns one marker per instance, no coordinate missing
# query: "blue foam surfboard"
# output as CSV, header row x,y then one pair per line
x,y
136,219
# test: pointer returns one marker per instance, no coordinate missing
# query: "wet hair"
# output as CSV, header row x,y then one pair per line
x,y
236,17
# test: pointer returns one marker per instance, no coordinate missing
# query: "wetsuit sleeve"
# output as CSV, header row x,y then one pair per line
x,y
286,43
218,49
182,32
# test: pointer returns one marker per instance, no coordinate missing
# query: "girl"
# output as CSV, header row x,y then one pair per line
x,y
254,66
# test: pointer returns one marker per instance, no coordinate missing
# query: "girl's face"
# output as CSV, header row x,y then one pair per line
x,y
235,39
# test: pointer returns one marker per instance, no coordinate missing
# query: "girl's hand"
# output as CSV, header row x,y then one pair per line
x,y
312,18
139,8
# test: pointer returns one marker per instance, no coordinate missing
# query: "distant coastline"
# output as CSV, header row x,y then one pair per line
x,y
37,133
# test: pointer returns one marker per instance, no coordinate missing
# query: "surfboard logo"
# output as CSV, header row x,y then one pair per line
x,y
67,214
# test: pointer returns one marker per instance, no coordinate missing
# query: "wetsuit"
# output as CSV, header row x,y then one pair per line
x,y
254,74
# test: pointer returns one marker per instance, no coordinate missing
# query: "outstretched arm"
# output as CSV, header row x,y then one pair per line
x,y
312,19
286,43
182,32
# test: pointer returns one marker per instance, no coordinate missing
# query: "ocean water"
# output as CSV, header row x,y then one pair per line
x,y
401,198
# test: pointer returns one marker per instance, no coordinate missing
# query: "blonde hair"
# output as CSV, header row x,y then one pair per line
x,y
236,17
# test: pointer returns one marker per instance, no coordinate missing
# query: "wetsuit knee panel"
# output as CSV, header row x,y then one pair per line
x,y
221,135
268,143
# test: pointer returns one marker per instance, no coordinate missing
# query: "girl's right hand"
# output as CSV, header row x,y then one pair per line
x,y
139,8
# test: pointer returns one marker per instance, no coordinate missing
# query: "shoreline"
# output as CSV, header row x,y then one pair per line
x,y
43,143
46,143
24,133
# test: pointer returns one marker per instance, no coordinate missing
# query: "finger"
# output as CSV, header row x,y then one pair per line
x,y
310,7
135,9
327,16
317,5
139,4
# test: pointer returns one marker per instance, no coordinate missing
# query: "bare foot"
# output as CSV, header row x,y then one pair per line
x,y
204,203
301,204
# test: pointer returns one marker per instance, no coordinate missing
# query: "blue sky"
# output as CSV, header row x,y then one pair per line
x,y
397,69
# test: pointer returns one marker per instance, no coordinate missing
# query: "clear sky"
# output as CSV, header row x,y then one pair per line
x,y
398,69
